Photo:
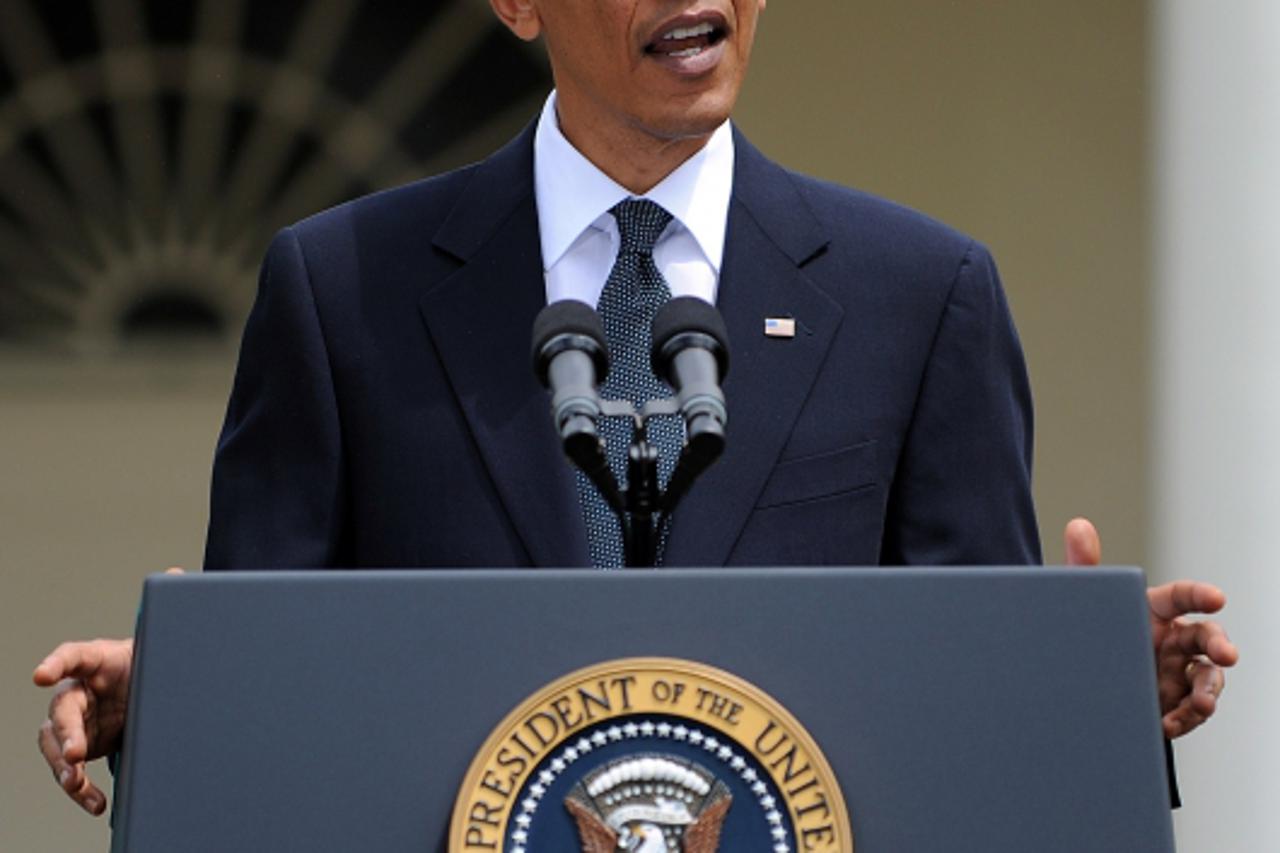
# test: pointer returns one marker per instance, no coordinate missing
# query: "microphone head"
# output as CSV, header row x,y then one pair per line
x,y
569,324
688,321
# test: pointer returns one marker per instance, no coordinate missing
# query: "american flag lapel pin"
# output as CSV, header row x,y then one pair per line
x,y
780,327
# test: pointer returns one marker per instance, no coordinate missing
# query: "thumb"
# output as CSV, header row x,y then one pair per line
x,y
1083,546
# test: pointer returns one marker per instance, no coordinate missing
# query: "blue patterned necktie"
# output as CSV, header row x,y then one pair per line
x,y
632,296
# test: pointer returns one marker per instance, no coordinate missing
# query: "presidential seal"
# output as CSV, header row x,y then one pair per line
x,y
650,755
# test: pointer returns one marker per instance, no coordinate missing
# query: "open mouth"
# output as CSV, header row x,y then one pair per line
x,y
686,42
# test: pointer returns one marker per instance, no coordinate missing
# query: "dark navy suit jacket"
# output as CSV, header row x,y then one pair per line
x,y
385,412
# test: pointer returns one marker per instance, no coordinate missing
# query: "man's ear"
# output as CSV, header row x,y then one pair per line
x,y
520,16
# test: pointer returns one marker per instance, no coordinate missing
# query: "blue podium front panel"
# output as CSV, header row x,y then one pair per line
x,y
957,709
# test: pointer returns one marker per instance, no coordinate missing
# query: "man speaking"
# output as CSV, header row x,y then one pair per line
x,y
385,414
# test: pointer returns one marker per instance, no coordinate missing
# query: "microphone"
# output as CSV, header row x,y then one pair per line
x,y
691,354
571,358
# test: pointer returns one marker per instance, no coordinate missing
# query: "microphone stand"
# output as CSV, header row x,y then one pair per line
x,y
646,507
639,536
643,498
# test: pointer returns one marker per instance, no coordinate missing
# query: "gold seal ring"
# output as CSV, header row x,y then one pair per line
x,y
1216,685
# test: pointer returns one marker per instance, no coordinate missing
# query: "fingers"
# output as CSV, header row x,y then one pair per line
x,y
1179,598
86,711
102,664
1083,545
1207,638
64,772
1206,682
70,660
90,797
71,776
68,710
1182,721
1192,657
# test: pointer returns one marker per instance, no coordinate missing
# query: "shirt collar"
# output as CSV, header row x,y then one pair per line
x,y
572,194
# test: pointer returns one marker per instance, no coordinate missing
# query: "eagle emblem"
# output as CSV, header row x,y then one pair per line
x,y
649,803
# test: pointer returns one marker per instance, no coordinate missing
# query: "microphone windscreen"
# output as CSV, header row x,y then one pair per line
x,y
688,315
568,324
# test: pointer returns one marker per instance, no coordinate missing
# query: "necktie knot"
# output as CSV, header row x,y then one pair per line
x,y
640,224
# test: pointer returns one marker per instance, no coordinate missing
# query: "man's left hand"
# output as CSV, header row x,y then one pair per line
x,y
1190,654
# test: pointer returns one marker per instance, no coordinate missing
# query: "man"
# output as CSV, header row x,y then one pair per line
x,y
385,415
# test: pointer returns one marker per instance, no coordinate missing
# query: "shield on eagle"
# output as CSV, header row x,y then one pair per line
x,y
649,803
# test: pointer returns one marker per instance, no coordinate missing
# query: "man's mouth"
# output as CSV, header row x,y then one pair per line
x,y
686,41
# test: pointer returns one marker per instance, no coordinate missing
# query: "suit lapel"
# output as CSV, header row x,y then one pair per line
x,y
480,320
771,235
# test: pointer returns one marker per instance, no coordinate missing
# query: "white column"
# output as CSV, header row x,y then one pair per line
x,y
1216,304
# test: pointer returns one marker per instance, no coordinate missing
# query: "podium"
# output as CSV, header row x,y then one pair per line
x,y
952,709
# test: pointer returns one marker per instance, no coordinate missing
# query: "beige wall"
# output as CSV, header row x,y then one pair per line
x,y
1019,121
104,473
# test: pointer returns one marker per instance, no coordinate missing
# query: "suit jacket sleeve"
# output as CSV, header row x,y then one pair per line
x,y
961,494
278,485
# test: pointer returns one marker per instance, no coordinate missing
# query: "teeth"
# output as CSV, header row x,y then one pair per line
x,y
703,29
689,51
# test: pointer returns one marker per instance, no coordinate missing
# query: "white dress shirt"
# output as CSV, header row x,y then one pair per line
x,y
580,238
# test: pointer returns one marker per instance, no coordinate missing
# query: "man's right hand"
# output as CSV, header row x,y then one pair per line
x,y
86,714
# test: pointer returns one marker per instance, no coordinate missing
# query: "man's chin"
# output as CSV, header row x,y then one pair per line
x,y
698,121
